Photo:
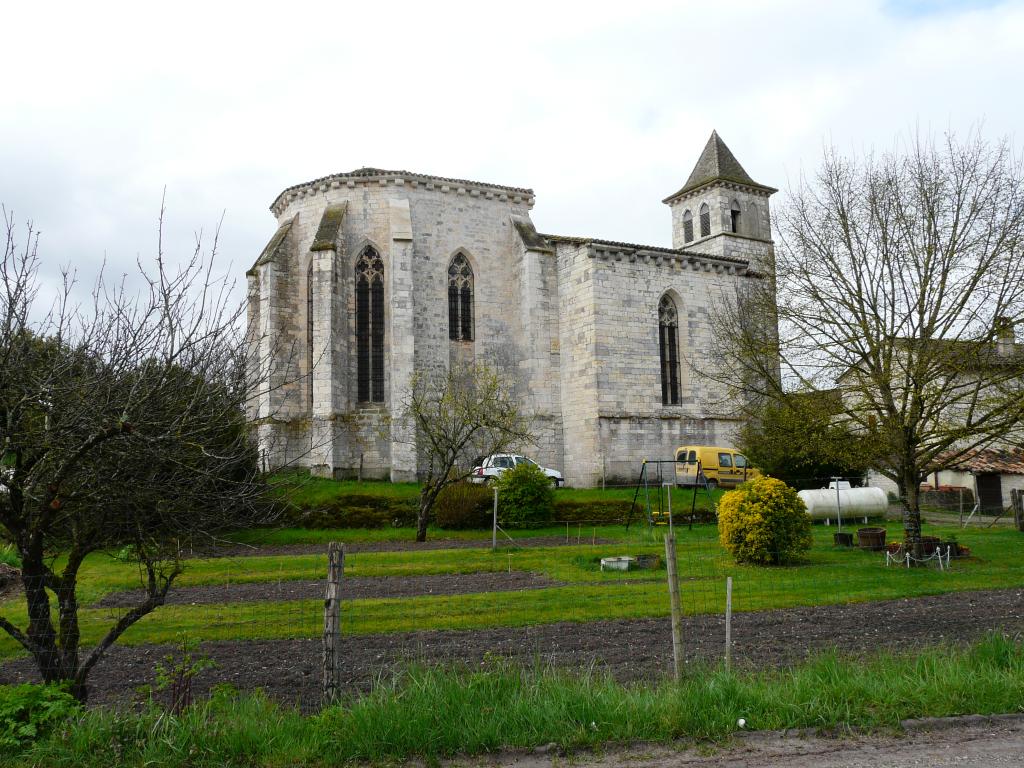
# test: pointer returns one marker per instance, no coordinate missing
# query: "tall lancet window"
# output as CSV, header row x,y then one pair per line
x,y
688,226
705,220
460,299
370,327
668,347
734,213
309,337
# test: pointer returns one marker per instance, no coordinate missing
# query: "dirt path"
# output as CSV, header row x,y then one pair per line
x,y
996,742
352,588
258,550
289,670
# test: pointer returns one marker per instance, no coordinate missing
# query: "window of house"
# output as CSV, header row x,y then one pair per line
x,y
668,348
724,460
688,226
705,220
460,299
370,327
734,213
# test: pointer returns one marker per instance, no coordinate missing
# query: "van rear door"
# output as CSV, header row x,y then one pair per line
x,y
686,466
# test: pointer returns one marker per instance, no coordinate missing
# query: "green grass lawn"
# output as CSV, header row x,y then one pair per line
x,y
584,593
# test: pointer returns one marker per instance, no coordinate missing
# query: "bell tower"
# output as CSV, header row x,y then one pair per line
x,y
721,211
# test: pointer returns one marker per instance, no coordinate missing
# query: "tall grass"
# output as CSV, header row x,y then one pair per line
x,y
437,712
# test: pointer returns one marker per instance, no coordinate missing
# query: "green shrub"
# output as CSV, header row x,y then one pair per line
x,y
525,497
464,506
28,711
599,512
355,511
9,555
764,522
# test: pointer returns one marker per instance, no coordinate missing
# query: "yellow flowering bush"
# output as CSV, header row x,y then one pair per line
x,y
764,522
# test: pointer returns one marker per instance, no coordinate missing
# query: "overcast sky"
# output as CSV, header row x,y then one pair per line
x,y
601,108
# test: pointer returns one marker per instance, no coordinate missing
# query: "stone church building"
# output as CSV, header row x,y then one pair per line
x,y
374,274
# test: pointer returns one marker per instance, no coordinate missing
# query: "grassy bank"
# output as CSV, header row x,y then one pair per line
x,y
434,713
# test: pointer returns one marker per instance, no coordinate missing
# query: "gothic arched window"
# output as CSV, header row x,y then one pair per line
x,y
668,349
370,327
460,299
705,220
734,213
687,226
309,337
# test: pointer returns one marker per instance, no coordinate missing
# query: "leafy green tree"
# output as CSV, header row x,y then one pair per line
x,y
799,441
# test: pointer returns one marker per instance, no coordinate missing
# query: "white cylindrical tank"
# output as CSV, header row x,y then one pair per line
x,y
852,502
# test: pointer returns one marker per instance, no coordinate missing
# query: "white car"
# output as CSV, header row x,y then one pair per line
x,y
488,468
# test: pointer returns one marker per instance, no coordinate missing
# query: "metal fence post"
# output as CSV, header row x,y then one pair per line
x,y
728,622
494,528
332,622
673,595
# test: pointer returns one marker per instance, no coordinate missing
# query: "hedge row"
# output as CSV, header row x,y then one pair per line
x,y
463,506
356,511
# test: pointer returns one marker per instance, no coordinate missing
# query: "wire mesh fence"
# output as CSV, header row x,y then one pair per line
x,y
578,594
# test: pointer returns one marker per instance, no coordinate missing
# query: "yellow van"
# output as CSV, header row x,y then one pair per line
x,y
725,467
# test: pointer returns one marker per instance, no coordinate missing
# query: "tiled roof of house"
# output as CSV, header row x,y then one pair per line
x,y
1009,461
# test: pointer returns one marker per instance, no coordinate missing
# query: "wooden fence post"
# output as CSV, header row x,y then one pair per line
x,y
332,622
673,596
1017,497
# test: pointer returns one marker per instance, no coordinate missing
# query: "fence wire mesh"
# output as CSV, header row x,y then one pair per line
x,y
578,593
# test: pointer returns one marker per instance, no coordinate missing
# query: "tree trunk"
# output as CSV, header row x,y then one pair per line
x,y
423,517
50,658
912,518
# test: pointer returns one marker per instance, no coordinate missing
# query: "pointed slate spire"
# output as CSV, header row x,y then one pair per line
x,y
717,163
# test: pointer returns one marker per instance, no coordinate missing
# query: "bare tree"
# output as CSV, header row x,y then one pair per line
x,y
899,279
453,416
121,427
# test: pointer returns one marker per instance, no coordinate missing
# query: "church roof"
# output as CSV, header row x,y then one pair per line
x,y
362,173
717,163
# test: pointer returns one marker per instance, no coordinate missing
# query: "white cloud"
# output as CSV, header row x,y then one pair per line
x,y
601,107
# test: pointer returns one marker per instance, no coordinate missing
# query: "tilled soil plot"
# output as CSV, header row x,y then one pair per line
x,y
256,550
352,588
289,670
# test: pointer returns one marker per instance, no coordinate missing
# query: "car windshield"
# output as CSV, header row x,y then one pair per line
x,y
521,459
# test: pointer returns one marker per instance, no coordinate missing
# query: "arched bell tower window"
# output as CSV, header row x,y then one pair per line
x,y
734,214
460,299
309,337
668,348
370,327
705,220
688,226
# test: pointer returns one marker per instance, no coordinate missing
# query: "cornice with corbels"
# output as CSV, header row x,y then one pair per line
x,y
470,190
695,262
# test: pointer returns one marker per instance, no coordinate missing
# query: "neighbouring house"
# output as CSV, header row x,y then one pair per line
x,y
990,475
375,274
992,469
